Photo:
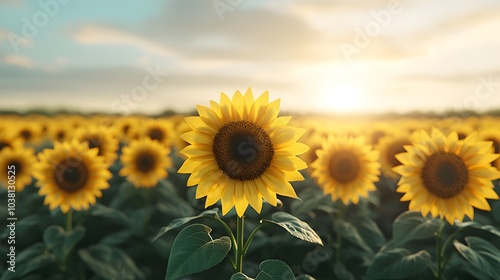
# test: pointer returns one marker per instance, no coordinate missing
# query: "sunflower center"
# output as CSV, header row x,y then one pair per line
x,y
26,134
60,136
243,150
496,145
394,149
95,142
145,162
4,145
126,128
344,166
156,134
71,175
17,165
444,174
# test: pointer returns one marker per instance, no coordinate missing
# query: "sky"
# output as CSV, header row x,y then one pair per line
x,y
344,56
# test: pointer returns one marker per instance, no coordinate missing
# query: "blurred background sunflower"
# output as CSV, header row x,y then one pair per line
x,y
346,168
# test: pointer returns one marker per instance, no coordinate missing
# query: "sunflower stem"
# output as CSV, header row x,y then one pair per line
x,y
340,216
69,220
250,238
439,249
240,227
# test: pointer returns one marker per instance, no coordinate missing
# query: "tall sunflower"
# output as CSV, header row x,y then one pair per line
x,y
491,134
346,168
100,138
145,162
19,161
159,130
241,152
447,177
71,176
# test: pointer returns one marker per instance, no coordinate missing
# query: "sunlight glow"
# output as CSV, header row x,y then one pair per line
x,y
345,96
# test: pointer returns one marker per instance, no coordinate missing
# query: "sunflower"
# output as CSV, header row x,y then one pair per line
x,y
241,152
493,135
100,138
126,128
9,140
19,161
159,130
389,146
71,176
447,177
59,130
145,162
29,132
346,168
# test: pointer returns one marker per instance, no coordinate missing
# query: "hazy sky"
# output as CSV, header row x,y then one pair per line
x,y
329,56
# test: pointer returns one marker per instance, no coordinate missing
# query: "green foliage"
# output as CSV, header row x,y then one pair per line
x,y
481,254
295,227
61,242
398,263
270,270
194,250
412,226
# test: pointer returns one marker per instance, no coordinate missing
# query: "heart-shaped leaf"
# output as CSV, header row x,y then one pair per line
x,y
412,226
108,213
194,250
60,241
212,213
274,270
295,227
240,276
398,263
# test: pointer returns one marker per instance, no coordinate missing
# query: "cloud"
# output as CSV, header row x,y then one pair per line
x,y
107,35
18,60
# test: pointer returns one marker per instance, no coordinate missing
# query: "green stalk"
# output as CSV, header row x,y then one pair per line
x,y
439,252
340,216
69,220
240,227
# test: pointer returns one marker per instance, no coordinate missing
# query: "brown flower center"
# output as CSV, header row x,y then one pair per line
x,y
18,167
71,175
4,145
156,134
496,145
444,174
145,162
344,166
242,150
394,149
26,134
95,142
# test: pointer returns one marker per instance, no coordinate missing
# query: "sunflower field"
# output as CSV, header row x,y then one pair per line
x,y
239,191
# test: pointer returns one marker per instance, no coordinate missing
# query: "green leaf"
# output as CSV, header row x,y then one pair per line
x,y
349,232
194,250
240,276
110,263
412,226
370,232
111,214
341,272
61,242
475,226
311,199
480,258
212,213
29,267
295,227
170,203
304,277
274,270
398,263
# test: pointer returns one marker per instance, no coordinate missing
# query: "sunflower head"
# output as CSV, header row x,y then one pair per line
x,y
346,168
159,130
19,161
145,162
71,176
389,146
240,152
447,177
101,139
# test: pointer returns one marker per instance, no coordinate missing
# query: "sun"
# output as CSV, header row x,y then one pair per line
x,y
343,96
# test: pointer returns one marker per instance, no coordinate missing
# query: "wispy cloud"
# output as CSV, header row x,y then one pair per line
x,y
18,60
